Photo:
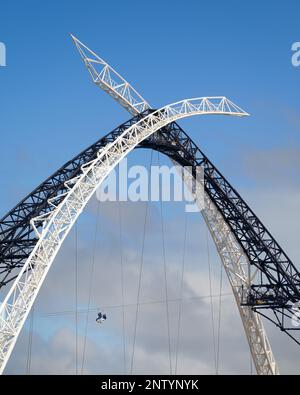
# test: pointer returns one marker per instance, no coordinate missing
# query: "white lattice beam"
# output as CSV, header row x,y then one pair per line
x,y
58,223
235,262
106,78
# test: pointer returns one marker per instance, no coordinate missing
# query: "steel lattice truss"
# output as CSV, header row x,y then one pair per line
x,y
53,227
104,76
17,238
275,269
264,294
272,270
262,277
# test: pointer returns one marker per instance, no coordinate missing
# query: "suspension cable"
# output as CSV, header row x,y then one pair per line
x,y
122,284
211,301
76,298
140,277
29,348
165,274
181,291
219,318
90,286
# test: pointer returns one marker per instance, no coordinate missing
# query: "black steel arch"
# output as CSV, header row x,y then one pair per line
x,y
277,272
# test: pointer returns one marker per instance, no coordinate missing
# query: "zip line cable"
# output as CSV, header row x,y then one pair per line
x,y
211,301
219,318
122,285
116,306
140,278
30,339
90,286
165,273
181,291
76,298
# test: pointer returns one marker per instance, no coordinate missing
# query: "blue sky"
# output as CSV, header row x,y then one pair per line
x,y
168,50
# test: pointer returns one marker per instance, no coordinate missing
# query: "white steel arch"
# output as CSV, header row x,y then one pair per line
x,y
106,78
234,259
57,223
236,265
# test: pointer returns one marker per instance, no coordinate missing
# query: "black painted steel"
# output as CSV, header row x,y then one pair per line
x,y
17,238
279,284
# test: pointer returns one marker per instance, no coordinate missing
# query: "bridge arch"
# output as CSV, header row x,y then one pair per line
x,y
52,226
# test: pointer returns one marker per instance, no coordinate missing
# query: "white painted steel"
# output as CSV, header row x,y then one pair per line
x,y
110,81
235,261
58,222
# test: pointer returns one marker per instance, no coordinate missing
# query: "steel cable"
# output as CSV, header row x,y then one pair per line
x,y
165,276
140,279
211,301
122,285
90,286
181,293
